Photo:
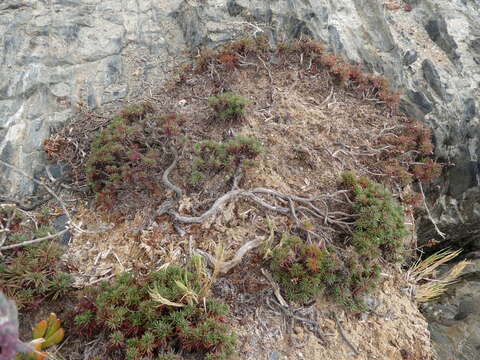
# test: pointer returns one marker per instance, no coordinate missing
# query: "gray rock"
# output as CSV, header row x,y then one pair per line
x,y
59,224
454,319
437,29
420,101
432,78
275,355
410,57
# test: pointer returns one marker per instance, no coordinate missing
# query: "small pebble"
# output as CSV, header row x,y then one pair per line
x,y
275,355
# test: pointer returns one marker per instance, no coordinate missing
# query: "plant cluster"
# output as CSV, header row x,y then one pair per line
x,y
228,106
145,316
414,162
230,54
379,227
31,274
126,152
313,53
213,156
412,147
46,334
304,270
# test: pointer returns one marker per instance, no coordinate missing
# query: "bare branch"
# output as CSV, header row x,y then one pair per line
x,y
34,241
344,336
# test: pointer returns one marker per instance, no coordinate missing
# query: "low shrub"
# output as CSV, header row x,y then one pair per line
x,y
127,152
140,324
304,271
380,224
31,274
228,106
213,156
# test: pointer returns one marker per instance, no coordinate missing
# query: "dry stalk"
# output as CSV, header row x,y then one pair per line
x,y
226,266
34,241
422,275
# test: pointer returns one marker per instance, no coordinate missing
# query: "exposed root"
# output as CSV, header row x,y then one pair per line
x,y
340,330
276,288
169,204
440,233
312,324
333,217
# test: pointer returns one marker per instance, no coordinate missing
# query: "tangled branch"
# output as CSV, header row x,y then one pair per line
x,y
308,204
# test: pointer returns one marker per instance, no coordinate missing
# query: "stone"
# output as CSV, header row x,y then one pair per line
x,y
410,57
432,78
420,100
454,319
59,224
470,109
437,29
275,355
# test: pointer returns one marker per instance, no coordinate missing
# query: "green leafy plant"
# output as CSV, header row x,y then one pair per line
x,y
31,274
215,156
228,106
127,152
380,225
299,268
143,315
305,271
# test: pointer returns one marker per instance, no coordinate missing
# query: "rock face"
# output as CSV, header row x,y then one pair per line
x,y
454,320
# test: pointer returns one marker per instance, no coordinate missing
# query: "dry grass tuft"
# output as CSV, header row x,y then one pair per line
x,y
424,273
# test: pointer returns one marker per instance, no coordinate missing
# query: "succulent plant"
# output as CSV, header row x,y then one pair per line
x,y
46,334
10,344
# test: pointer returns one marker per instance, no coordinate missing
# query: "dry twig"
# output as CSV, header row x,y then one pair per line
x,y
34,241
312,324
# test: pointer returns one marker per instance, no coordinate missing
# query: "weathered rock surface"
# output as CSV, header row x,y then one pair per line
x,y
56,53
454,320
